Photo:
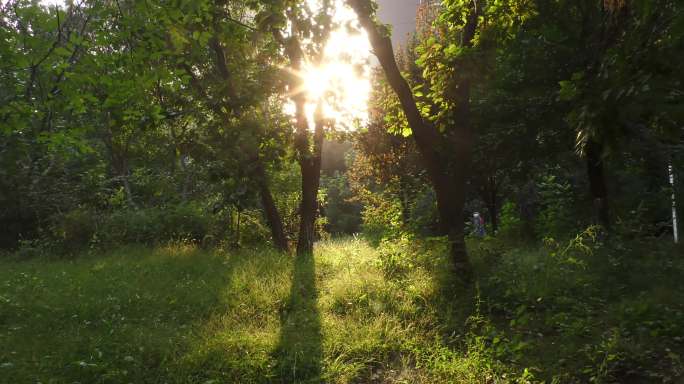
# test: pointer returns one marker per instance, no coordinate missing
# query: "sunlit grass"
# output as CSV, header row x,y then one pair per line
x,y
178,314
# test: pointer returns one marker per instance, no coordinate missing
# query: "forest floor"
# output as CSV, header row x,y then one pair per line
x,y
352,313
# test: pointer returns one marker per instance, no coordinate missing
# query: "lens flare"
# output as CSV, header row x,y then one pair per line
x,y
341,80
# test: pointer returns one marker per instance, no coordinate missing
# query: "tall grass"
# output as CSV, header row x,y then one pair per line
x,y
350,313
182,315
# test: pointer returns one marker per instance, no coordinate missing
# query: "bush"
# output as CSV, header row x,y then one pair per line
x,y
396,257
29,249
557,217
510,224
402,253
154,225
424,214
75,229
381,220
342,213
82,228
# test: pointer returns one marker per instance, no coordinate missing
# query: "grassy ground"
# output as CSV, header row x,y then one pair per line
x,y
182,315
349,314
582,312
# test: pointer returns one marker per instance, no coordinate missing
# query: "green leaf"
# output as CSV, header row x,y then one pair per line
x,y
63,52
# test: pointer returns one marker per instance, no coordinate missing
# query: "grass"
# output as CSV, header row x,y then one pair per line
x,y
587,312
350,313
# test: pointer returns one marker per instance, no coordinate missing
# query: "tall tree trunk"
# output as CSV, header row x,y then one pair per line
x,y
310,164
120,168
127,189
273,218
597,183
236,244
673,185
309,161
447,172
601,31
307,210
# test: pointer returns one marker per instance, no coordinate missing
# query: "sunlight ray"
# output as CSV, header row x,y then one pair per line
x,y
342,78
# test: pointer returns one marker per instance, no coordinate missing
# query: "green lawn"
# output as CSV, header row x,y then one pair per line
x,y
182,315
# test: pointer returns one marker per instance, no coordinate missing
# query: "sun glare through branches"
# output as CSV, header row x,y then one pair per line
x,y
342,78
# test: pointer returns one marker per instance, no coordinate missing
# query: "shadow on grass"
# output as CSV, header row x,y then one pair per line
x,y
299,351
124,315
455,301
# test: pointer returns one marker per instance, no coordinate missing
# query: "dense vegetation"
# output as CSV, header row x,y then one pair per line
x,y
178,205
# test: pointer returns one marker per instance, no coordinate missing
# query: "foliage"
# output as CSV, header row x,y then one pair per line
x,y
556,215
566,300
153,143
121,120
511,224
343,215
82,229
154,225
381,220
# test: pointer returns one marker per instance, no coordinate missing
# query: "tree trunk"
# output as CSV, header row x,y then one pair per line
x,y
273,218
236,244
127,189
275,222
597,183
309,161
307,210
310,164
450,202
447,172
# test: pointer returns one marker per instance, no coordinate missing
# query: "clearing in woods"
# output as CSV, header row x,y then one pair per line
x,y
350,313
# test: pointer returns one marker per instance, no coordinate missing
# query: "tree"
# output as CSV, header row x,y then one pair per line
x,y
216,87
618,89
309,31
95,91
445,156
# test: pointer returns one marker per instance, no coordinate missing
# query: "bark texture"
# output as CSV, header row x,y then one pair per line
x,y
273,218
310,164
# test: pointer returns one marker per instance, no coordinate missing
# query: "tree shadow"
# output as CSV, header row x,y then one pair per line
x,y
299,352
455,299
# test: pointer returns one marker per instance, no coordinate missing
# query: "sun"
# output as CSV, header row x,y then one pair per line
x,y
341,81
316,81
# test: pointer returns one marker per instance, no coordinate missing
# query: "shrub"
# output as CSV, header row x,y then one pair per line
x,y
75,229
342,213
155,225
381,220
404,252
29,249
395,256
185,222
511,226
557,217
424,214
